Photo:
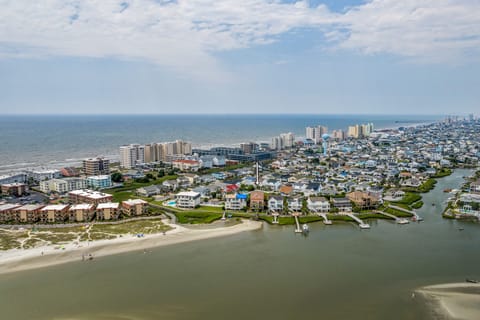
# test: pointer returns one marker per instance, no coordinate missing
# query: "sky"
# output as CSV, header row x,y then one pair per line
x,y
231,56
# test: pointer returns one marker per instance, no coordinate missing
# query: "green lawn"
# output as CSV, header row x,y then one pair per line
x,y
197,217
410,198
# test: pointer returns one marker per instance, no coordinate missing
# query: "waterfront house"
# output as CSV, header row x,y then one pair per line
x,y
135,207
108,211
295,204
318,204
188,199
275,203
363,200
81,212
342,204
235,201
257,200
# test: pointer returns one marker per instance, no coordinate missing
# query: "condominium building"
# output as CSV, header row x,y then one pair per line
x,y
41,175
99,182
81,212
89,196
318,204
108,211
135,207
62,185
54,213
288,139
96,166
188,199
315,133
7,211
134,154
131,155
14,189
28,213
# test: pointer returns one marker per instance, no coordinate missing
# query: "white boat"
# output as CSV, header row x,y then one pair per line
x,y
305,228
364,226
403,221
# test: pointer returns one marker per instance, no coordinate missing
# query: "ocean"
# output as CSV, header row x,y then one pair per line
x,y
53,141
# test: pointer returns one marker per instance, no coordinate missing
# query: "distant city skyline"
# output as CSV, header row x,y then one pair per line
x,y
240,57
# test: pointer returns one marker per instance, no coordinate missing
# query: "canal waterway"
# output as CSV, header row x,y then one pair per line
x,y
336,272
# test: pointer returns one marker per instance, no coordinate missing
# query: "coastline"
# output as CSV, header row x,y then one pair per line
x,y
454,300
16,260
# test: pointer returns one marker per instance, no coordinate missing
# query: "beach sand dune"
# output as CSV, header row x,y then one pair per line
x,y
455,300
25,259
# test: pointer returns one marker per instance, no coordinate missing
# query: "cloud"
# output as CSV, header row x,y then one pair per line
x,y
184,35
427,30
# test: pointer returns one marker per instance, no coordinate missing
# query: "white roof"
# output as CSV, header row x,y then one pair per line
x,y
102,177
135,201
90,194
81,206
108,205
188,194
55,207
30,207
8,206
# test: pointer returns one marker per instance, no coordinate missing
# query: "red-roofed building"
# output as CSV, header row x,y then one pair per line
x,y
186,165
231,188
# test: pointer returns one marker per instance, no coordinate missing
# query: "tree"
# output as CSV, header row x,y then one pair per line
x,y
117,177
161,173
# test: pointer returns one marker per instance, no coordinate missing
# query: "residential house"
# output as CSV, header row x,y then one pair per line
x,y
363,200
295,204
235,201
188,199
318,204
342,204
257,200
275,203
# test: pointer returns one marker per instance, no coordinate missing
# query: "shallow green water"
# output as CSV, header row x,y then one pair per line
x,y
337,272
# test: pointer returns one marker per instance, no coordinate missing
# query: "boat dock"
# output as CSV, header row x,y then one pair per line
x,y
415,217
397,219
298,229
275,217
325,218
361,224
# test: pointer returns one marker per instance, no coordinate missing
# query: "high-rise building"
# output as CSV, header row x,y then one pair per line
x,y
310,133
288,139
131,155
338,134
96,166
248,147
276,143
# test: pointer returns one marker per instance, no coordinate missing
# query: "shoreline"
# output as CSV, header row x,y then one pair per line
x,y
16,260
454,300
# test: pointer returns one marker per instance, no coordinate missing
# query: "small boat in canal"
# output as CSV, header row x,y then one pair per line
x,y
471,280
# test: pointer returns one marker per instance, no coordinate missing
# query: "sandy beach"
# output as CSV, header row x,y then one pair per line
x,y
455,300
24,259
